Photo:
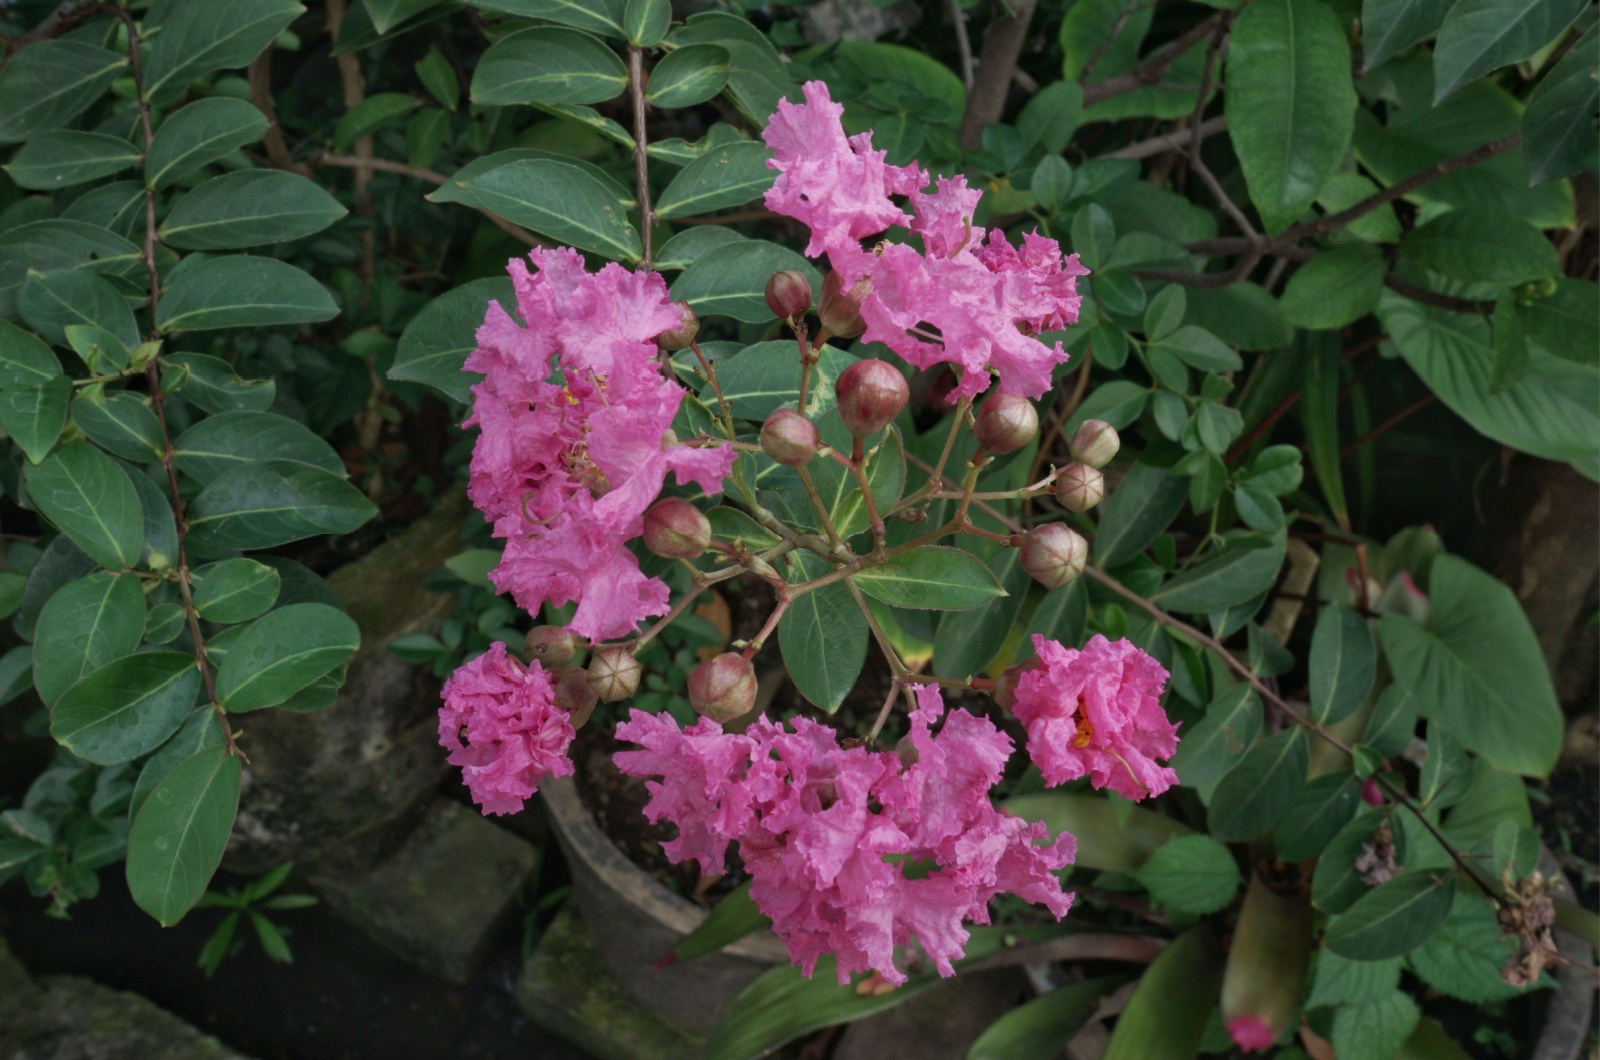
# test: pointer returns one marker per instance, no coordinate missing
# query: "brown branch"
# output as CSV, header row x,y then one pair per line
x,y
57,22
641,161
1105,42
355,87
1152,70
1097,946
1213,49
517,232
1002,45
1388,425
260,74
1169,141
958,23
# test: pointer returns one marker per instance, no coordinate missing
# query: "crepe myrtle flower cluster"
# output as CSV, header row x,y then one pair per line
x,y
853,849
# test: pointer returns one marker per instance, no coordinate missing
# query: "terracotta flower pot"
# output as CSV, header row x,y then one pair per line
x,y
634,921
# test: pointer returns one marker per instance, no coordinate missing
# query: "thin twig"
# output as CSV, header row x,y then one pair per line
x,y
958,23
641,162
1152,70
327,158
1155,145
1388,425
1105,42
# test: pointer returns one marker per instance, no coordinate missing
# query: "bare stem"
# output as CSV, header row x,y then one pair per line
x,y
641,163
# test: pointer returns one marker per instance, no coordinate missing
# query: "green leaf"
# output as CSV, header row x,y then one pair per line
x,y
200,731
1048,120
757,74
86,624
219,445
1144,505
234,590
1343,664
548,65
1166,1017
1389,27
199,134
54,301
1243,315
1477,669
1198,348
1482,245
89,498
274,502
1336,884
1375,1028
387,14
730,920
1191,874
731,280
1446,772
374,112
120,423
1212,747
1230,577
562,201
1465,958
965,644
823,636
1393,918
1509,343
766,376
1342,981
689,75
724,176
1483,35
212,385
220,35
693,243
439,78
126,708
934,576
1319,411
1559,125
248,209
50,82
62,244
436,342
1335,288
176,841
282,652
601,16
1289,102
455,189
645,22
64,158
1257,792
1036,1029
1111,836
34,415
1325,806
240,290
24,360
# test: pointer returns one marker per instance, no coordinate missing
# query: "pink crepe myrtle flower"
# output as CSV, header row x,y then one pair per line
x,y
574,437
1097,713
502,727
986,300
825,831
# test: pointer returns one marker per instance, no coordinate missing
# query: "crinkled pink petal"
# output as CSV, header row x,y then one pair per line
x,y
502,727
944,217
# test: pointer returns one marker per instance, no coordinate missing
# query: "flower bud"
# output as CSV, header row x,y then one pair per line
x,y
1054,554
1372,793
723,687
788,294
551,646
1095,443
679,337
614,673
840,309
1005,689
1080,487
1006,423
1266,965
676,529
573,693
790,438
871,393
907,752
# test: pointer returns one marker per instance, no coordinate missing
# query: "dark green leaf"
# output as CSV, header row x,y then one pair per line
x,y
1392,919
387,14
1375,1028
89,498
1165,1018
24,360
560,200
438,339
731,280
211,384
1257,792
373,113
1289,102
1335,288
935,577
50,82
757,77
282,652
645,22
160,548
1483,35
1243,315
1230,577
1319,410
121,423
965,644
548,65
126,708
219,35
439,78
689,75
61,159
234,590
199,134
86,624
34,415
1212,747
455,189
1191,874
1343,664
1145,503
688,246
1558,128
823,636
1446,772
1465,958
272,503
248,209
601,16
1389,27
1198,348
730,920
766,377
1036,1029
54,301
1341,981
177,839
240,290
1337,884
1482,245
1323,808
1049,119
62,244
220,445
724,176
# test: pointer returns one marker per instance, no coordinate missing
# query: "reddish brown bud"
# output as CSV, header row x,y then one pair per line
x,y
678,338
790,438
724,687
788,294
1372,793
676,529
551,646
871,393
1054,554
1006,423
573,693
840,309
1080,487
1005,689
1095,443
614,673
907,752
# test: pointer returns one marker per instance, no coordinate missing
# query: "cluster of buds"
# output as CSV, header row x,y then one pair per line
x,y
1080,486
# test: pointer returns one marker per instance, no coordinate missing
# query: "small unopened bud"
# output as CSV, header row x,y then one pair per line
x,y
840,309
614,673
679,337
676,529
1054,554
1095,443
1080,487
551,646
1005,689
790,438
871,393
788,294
1006,423
723,687
1266,965
573,693
907,752
1372,793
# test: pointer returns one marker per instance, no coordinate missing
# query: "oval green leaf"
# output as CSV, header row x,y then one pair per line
x,y
90,499
273,503
199,134
86,624
548,64
240,290
562,201
724,176
234,590
247,209
281,653
691,74
935,577
177,839
126,708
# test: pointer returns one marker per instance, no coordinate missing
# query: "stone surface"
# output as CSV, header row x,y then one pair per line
x,y
373,757
565,988
439,899
68,1018
943,1020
